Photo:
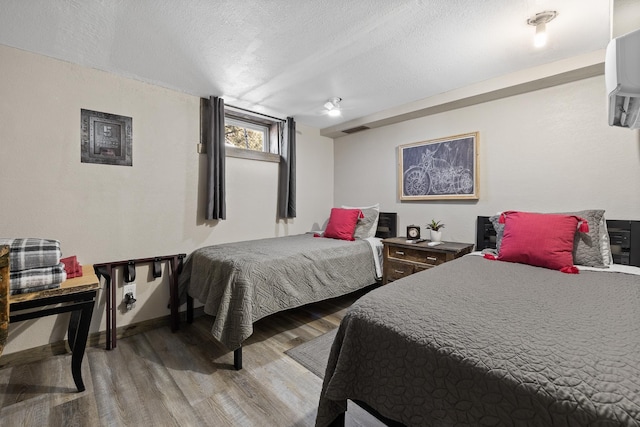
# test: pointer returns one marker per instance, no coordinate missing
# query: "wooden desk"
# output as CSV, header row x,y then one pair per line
x,y
78,296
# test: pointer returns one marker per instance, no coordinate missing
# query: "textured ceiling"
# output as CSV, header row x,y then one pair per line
x,y
288,57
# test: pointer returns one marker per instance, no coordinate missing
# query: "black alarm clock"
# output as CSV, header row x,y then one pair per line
x,y
413,232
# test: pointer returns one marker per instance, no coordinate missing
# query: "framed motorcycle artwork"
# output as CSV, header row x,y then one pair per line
x,y
439,169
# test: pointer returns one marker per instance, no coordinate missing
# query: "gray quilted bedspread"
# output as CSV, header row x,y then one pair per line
x,y
242,282
479,342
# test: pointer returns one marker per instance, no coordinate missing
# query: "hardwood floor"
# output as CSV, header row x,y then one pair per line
x,y
159,378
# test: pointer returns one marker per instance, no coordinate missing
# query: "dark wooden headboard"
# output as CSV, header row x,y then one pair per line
x,y
485,234
624,238
387,225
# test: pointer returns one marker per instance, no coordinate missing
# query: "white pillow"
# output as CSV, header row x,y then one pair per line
x,y
605,244
367,226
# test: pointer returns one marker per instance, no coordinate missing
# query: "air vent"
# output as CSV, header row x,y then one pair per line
x,y
356,129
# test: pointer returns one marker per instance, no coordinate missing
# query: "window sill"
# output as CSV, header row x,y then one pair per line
x,y
252,155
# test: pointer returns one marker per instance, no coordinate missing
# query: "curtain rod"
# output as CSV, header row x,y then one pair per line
x,y
255,112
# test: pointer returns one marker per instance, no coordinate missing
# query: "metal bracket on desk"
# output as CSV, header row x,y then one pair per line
x,y
106,270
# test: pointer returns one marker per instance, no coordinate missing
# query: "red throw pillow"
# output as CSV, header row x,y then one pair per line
x,y
543,240
342,223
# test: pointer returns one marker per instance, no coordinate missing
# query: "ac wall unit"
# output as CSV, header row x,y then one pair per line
x,y
622,79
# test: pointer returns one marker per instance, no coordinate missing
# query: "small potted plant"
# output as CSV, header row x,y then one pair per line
x,y
435,226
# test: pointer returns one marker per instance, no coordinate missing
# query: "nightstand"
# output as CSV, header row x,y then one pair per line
x,y
401,259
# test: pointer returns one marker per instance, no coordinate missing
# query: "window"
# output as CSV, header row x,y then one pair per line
x,y
250,136
247,135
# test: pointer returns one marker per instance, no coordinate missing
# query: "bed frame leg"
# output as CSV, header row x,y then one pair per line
x,y
339,421
189,309
237,358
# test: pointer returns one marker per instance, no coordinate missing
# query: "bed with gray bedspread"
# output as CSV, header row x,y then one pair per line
x,y
479,342
242,282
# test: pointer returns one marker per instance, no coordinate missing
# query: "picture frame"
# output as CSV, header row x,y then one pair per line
x,y
439,169
106,138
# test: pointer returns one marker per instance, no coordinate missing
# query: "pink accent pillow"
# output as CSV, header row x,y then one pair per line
x,y
342,223
543,240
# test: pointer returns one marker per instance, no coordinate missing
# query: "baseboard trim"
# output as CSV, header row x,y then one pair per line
x,y
96,339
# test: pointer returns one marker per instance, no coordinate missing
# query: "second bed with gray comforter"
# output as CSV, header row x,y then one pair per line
x,y
242,282
479,342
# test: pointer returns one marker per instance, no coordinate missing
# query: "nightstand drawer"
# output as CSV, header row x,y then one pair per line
x,y
421,267
398,270
418,255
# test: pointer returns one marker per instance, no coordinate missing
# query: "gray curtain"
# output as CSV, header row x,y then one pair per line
x,y
216,207
287,173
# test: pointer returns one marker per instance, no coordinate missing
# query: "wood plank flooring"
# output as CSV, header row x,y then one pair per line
x,y
159,378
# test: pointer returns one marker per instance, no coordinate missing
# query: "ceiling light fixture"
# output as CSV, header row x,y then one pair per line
x,y
333,107
540,21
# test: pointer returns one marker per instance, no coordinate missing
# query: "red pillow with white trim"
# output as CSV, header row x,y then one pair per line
x,y
543,240
342,223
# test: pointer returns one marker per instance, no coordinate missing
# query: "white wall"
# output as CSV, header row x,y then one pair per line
x,y
104,213
548,150
626,16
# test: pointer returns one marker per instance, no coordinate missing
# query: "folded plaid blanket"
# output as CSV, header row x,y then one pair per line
x,y
36,279
30,253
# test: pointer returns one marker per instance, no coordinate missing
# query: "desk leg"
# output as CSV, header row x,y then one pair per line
x,y
72,331
78,333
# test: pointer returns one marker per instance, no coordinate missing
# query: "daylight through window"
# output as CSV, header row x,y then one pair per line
x,y
246,135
